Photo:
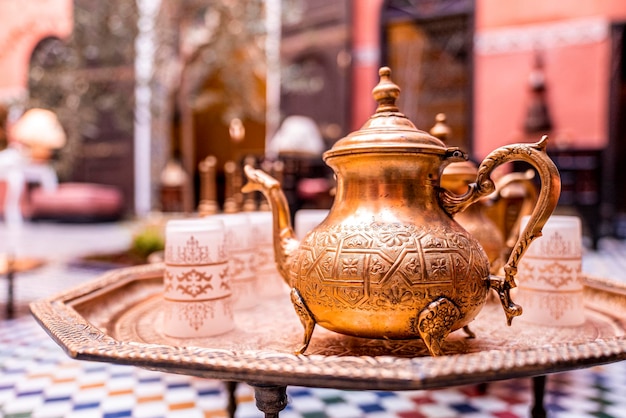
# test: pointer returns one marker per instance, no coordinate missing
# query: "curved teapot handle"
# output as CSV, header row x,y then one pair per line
x,y
529,198
536,155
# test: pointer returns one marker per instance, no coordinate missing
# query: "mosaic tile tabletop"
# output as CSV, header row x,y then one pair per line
x,y
37,379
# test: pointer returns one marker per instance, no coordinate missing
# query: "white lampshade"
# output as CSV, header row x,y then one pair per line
x,y
298,135
39,128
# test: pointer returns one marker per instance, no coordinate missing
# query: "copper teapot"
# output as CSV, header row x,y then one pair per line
x,y
389,261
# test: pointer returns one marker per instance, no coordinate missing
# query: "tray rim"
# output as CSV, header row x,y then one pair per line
x,y
82,340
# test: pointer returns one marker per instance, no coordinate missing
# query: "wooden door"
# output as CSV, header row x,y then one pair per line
x,y
614,174
89,81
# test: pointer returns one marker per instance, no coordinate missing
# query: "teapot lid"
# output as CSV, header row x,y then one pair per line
x,y
387,130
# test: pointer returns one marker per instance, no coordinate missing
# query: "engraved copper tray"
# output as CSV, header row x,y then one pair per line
x,y
116,318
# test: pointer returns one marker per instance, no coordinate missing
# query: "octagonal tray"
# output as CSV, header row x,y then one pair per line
x,y
117,318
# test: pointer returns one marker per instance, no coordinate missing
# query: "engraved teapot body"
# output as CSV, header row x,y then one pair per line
x,y
389,261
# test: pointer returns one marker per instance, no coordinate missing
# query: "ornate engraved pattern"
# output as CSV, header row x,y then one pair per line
x,y
542,36
557,274
373,266
196,314
555,245
193,254
265,255
114,317
196,283
224,279
192,282
437,318
556,305
238,265
395,294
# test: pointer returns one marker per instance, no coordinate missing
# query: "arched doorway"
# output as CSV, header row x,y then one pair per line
x,y
88,82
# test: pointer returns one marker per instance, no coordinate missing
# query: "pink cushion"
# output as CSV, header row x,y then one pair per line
x,y
82,200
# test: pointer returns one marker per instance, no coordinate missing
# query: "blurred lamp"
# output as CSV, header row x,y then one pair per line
x,y
297,136
39,130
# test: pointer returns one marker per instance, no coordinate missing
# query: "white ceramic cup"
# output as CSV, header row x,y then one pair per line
x,y
196,282
270,282
241,254
307,219
550,288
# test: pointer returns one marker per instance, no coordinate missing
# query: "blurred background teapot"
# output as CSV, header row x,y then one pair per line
x,y
494,220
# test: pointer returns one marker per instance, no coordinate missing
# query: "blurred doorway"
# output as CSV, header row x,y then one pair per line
x,y
212,114
91,90
428,46
614,177
316,64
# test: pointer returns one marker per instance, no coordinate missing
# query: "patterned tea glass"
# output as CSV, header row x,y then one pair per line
x,y
241,258
550,286
270,282
196,281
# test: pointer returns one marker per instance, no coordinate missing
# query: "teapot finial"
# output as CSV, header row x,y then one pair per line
x,y
386,92
441,129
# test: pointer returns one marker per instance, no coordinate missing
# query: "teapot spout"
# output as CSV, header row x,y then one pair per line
x,y
285,241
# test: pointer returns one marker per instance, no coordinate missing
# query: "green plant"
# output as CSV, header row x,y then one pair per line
x,y
147,242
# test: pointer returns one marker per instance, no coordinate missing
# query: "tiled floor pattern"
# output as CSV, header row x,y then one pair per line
x,y
608,261
37,379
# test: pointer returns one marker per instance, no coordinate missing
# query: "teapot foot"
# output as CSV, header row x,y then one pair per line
x,y
306,318
502,287
435,322
469,332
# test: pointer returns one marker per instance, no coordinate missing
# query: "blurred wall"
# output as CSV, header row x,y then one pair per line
x,y
365,58
25,23
574,39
